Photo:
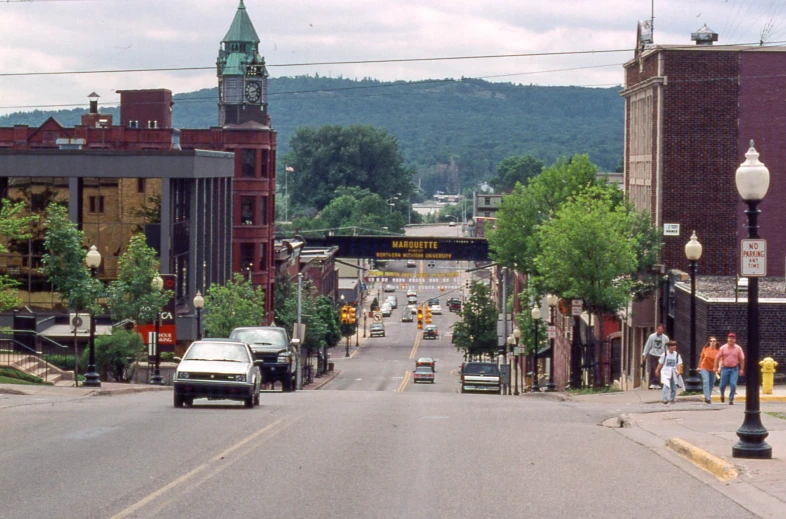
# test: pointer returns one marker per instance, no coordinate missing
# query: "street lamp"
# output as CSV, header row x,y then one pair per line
x,y
753,180
552,301
391,200
693,253
517,337
199,303
535,318
92,260
157,379
510,341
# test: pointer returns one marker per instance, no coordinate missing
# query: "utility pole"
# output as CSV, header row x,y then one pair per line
x,y
299,372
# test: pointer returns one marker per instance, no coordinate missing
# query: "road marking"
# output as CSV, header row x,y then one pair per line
x,y
219,468
415,346
404,382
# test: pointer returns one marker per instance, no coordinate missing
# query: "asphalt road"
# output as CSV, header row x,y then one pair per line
x,y
369,445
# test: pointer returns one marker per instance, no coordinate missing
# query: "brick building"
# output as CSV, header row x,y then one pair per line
x,y
690,114
146,124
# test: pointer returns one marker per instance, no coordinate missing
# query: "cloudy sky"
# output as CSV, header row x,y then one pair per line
x,y
101,35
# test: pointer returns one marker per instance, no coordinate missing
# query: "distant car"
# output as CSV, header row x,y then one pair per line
x,y
406,317
430,332
423,374
482,377
390,288
436,309
412,293
386,310
217,369
412,300
393,300
433,301
412,309
426,361
454,304
411,264
377,330
452,224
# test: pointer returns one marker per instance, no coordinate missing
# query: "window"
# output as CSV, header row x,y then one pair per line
x,y
263,210
262,256
265,163
96,204
249,163
246,257
487,200
247,210
140,185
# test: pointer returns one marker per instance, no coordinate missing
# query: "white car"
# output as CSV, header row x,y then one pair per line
x,y
412,293
436,309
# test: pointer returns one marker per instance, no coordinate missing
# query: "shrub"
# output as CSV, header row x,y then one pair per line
x,y
64,362
114,354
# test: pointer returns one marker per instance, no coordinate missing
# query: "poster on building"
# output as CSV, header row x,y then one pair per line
x,y
754,258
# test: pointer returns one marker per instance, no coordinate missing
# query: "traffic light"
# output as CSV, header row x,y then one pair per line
x,y
420,318
344,314
352,315
466,283
428,315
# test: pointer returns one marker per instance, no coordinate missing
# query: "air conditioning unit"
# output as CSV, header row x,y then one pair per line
x,y
79,322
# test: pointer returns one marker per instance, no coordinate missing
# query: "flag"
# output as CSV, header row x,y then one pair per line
x,y
290,168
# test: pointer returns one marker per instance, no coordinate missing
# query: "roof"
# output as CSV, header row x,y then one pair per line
x,y
347,283
241,29
720,289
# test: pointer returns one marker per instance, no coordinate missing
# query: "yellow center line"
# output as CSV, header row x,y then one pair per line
x,y
404,382
415,346
185,477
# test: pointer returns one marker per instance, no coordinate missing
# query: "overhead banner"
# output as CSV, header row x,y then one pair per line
x,y
406,248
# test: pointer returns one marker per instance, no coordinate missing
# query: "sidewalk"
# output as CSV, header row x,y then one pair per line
x,y
106,389
704,435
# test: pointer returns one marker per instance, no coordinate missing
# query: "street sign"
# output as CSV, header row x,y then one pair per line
x,y
575,307
671,229
754,258
377,317
552,331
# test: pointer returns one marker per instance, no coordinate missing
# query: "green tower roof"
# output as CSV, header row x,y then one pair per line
x,y
241,29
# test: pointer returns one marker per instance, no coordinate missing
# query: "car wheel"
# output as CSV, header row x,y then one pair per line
x,y
178,400
249,401
462,389
188,401
286,385
256,399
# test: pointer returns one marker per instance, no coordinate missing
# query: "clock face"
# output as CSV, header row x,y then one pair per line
x,y
253,92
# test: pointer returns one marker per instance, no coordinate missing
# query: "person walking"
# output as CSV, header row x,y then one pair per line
x,y
670,368
707,367
730,363
653,349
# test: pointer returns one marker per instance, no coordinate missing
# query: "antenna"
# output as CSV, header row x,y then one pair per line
x,y
652,20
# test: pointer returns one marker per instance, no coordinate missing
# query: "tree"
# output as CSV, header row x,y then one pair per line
x,y
330,157
476,332
354,211
513,170
233,305
115,354
64,263
132,295
13,226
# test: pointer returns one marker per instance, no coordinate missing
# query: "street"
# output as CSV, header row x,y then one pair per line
x,y
370,443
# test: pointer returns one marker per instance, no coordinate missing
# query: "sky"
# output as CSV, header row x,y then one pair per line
x,y
101,35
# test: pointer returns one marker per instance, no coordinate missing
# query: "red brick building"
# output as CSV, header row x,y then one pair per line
x,y
243,128
690,114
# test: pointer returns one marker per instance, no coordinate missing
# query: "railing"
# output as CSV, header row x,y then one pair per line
x,y
35,354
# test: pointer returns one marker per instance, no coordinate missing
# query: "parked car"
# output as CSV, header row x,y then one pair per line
x,y
386,309
426,361
217,369
390,288
406,317
430,332
436,309
454,304
377,330
423,374
411,264
482,377
393,300
278,354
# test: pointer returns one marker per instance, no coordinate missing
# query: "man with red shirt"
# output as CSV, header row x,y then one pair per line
x,y
730,363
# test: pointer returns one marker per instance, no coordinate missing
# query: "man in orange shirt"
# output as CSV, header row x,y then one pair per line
x,y
730,363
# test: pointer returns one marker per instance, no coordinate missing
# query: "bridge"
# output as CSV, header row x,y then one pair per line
x,y
392,248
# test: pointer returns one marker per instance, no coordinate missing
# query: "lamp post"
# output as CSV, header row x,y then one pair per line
x,y
753,181
517,338
92,260
693,253
157,379
510,341
199,303
535,318
391,202
552,301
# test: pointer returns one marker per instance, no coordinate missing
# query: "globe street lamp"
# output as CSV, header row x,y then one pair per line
x,y
92,260
552,301
157,379
753,181
199,303
535,318
510,341
693,253
517,337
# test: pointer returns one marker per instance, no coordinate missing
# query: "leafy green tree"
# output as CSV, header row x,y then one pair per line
x,y
476,332
13,226
513,170
285,302
333,156
354,211
233,305
132,295
64,263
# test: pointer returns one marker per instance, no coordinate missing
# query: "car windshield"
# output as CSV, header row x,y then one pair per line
x,y
223,351
481,369
431,328
377,326
260,337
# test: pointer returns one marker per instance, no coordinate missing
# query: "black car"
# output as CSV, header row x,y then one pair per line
x,y
430,332
278,354
433,301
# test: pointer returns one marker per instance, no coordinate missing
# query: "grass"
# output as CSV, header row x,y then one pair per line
x,y
10,380
782,416
593,390
14,376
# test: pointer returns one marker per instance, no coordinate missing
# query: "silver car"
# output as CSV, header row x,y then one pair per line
x,y
218,369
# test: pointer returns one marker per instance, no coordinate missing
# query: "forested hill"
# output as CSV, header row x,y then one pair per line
x,y
466,126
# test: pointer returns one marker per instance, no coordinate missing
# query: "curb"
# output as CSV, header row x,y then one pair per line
x,y
762,398
551,395
323,382
126,391
720,468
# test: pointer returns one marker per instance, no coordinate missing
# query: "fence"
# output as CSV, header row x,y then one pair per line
x,y
35,354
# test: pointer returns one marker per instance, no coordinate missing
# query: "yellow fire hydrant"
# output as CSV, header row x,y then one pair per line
x,y
767,374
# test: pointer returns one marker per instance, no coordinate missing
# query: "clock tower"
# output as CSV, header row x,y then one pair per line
x,y
242,76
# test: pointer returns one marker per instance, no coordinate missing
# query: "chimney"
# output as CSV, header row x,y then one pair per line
x,y
93,102
704,36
